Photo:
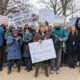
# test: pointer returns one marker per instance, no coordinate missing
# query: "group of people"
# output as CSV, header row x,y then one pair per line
x,y
66,42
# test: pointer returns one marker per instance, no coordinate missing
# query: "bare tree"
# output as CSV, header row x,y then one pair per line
x,y
3,6
61,7
54,5
73,8
16,5
22,4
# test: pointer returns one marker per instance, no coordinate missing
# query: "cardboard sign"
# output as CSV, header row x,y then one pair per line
x,y
42,51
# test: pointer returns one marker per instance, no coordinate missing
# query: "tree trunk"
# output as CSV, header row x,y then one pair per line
x,y
3,6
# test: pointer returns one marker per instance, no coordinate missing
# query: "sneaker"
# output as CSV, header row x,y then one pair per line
x,y
29,70
25,69
57,72
52,72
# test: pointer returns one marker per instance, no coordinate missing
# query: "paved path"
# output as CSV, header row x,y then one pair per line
x,y
66,74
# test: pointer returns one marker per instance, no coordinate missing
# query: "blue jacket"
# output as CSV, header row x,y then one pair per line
x,y
14,51
56,34
1,36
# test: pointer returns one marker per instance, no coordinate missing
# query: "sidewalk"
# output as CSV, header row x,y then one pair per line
x,y
66,74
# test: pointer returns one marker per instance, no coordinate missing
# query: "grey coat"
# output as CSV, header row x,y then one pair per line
x,y
26,52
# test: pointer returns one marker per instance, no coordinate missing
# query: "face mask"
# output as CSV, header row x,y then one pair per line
x,y
57,28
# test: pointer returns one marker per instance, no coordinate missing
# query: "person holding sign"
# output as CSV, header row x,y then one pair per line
x,y
41,35
58,34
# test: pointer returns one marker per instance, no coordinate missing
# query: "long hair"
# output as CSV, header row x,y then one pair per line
x,y
76,24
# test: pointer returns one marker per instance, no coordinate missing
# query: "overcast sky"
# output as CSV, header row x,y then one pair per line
x,y
36,3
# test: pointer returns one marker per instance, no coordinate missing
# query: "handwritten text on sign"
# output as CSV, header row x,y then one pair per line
x,y
42,51
46,15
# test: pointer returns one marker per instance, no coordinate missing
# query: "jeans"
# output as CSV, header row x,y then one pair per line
x,y
11,62
55,63
28,62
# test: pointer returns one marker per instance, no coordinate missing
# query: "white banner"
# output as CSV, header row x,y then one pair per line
x,y
46,15
42,51
21,18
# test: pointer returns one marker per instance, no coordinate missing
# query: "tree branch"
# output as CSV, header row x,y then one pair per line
x,y
73,12
59,8
60,12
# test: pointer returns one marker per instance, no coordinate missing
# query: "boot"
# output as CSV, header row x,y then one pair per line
x,y
9,71
1,69
18,70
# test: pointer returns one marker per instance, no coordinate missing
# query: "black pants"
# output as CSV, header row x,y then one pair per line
x,y
1,56
72,56
44,65
23,59
64,58
11,62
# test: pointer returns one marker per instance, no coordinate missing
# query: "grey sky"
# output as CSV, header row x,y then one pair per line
x,y
36,3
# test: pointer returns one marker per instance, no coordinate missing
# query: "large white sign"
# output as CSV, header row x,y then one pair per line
x,y
3,19
46,15
42,51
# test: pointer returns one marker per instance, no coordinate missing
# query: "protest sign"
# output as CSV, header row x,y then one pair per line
x,y
58,19
3,19
72,21
46,15
42,51
24,17
17,18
